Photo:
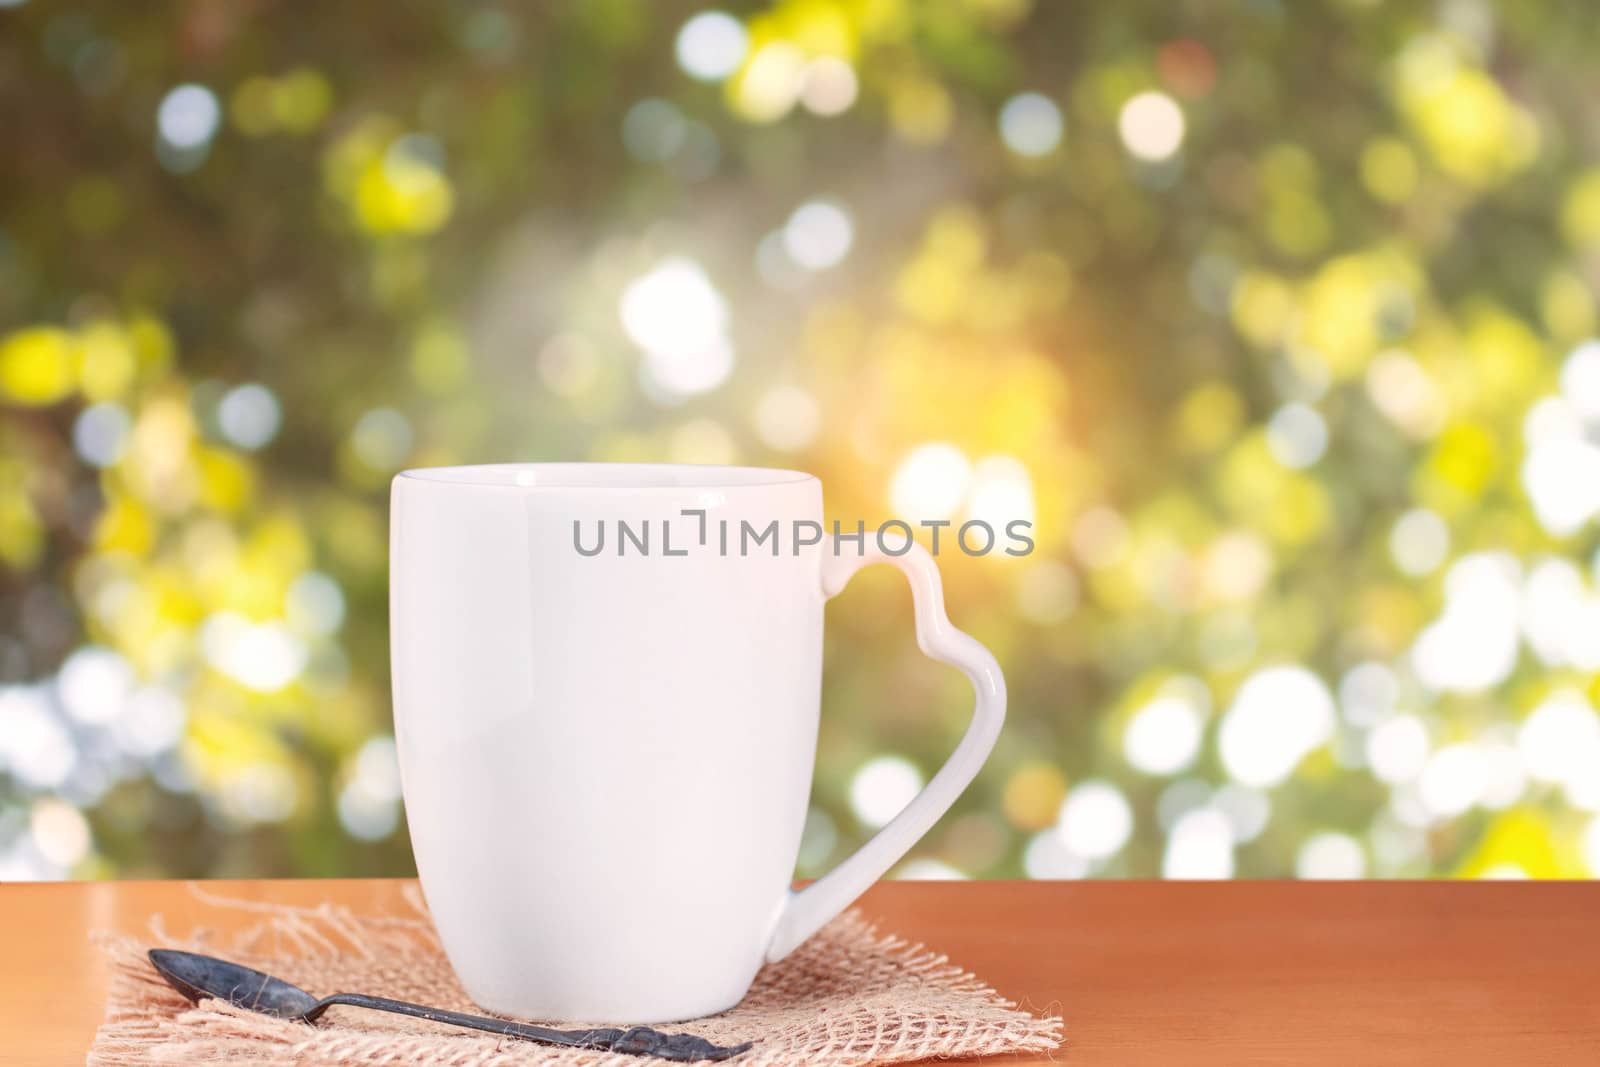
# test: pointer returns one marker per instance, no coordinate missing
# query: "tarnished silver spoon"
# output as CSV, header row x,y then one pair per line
x,y
197,976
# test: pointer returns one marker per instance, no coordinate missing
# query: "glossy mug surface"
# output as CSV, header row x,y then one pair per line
x,y
606,758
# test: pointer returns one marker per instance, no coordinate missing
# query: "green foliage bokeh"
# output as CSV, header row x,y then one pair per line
x,y
1276,318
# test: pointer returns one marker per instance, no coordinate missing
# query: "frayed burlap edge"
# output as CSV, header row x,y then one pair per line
x,y
850,996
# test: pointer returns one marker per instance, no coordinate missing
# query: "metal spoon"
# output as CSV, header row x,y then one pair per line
x,y
197,976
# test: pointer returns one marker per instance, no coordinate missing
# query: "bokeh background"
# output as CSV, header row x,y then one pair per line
x,y
1277,319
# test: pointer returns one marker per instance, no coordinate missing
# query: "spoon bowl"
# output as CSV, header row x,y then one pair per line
x,y
197,976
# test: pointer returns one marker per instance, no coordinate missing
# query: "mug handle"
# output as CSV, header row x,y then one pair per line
x,y
805,912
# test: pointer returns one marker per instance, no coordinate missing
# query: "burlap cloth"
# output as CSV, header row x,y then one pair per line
x,y
851,995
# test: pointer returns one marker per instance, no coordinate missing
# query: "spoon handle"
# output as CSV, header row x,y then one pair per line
x,y
638,1041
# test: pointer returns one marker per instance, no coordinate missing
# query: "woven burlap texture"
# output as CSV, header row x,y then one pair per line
x,y
851,995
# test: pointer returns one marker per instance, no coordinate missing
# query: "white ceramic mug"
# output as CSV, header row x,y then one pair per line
x,y
607,758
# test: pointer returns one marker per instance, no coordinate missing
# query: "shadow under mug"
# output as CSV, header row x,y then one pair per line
x,y
606,758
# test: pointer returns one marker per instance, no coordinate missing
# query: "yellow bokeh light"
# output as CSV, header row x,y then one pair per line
x,y
124,525
1507,360
227,482
1389,170
1033,796
1567,307
387,188
152,342
1580,210
295,103
1292,508
1469,125
1521,841
1263,307
21,538
1463,462
301,100
920,110
37,365
401,195
1343,306
108,361
1209,416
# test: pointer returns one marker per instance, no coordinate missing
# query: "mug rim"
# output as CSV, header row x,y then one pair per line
x,y
602,477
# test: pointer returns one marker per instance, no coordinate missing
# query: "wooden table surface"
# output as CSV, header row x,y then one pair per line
x,y
1143,972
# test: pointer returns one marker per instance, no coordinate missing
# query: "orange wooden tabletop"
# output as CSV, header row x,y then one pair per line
x,y
1144,972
